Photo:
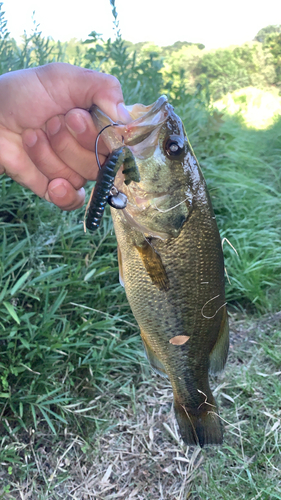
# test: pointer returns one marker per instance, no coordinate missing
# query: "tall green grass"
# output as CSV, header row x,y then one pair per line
x,y
58,328
242,169
48,264
244,180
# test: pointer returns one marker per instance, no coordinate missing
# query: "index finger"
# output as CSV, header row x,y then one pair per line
x,y
84,88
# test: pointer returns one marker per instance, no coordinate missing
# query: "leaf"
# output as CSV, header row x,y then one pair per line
x,y
20,282
103,270
56,415
107,474
179,339
12,311
34,415
49,422
89,274
273,428
229,398
45,275
3,293
25,343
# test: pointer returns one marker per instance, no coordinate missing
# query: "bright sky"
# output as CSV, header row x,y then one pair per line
x,y
215,23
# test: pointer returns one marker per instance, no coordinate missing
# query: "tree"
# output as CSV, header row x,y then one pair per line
x,y
264,32
273,44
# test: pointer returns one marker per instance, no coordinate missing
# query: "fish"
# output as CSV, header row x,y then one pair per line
x,y
171,262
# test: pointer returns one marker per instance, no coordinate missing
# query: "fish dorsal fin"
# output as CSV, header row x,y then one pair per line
x,y
157,366
153,265
119,255
219,352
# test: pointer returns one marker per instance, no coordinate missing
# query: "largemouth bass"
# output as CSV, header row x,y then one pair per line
x,y
171,262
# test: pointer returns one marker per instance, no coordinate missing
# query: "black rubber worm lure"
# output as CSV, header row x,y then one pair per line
x,y
104,191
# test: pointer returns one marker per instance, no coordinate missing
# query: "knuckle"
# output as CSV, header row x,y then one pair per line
x,y
109,81
114,82
60,145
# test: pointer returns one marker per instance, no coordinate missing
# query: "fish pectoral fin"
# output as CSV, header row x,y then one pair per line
x,y
219,352
119,256
157,366
154,266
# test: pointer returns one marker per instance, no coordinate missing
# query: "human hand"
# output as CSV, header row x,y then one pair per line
x,y
47,137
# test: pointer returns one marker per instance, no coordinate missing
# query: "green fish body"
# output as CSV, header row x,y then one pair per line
x,y
171,264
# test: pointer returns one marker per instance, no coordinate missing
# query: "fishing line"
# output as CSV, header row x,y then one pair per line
x,y
230,244
206,400
223,419
211,317
225,270
158,209
168,209
97,140
192,425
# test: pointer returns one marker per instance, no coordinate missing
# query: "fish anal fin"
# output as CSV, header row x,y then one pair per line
x,y
119,255
199,428
156,364
153,265
219,352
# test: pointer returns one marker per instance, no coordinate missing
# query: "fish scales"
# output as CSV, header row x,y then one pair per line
x,y
181,306
171,264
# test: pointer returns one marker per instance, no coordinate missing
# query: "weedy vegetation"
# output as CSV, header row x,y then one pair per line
x,y
81,414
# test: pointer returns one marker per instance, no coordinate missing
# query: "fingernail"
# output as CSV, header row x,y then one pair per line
x,y
123,113
54,125
59,190
76,123
30,138
47,197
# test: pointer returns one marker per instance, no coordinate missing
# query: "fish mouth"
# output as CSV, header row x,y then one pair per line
x,y
146,121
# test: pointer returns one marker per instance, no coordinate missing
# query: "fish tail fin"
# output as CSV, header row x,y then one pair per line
x,y
200,428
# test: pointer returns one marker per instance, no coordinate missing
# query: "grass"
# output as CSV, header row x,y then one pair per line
x,y
81,415
140,456
76,391
46,340
242,169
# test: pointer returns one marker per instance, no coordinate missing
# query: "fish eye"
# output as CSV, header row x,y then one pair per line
x,y
174,146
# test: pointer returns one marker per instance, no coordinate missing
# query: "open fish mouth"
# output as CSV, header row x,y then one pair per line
x,y
146,121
